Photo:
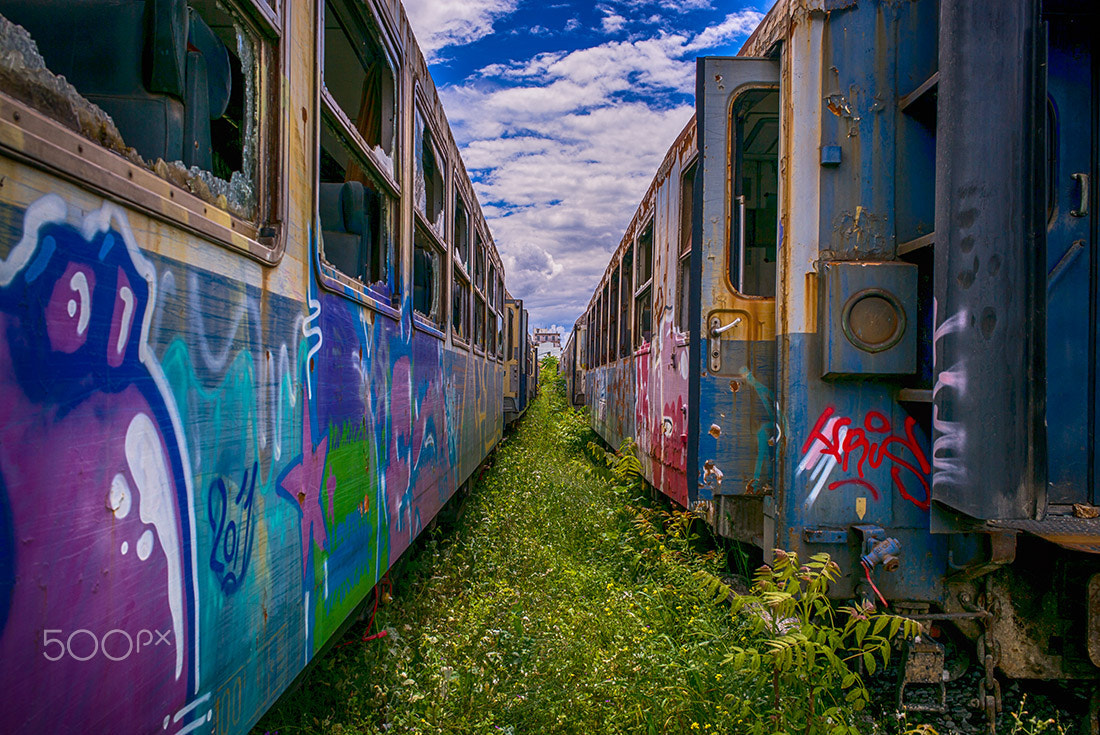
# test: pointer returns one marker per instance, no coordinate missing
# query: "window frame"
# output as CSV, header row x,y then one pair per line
x,y
686,206
644,290
328,111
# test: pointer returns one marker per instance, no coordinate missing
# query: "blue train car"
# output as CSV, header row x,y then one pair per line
x,y
250,344
856,313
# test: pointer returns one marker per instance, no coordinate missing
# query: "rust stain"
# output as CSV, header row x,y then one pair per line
x,y
715,430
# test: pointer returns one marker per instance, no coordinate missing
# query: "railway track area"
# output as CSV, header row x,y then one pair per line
x,y
557,601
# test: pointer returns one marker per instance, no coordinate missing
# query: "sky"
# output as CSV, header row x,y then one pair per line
x,y
563,111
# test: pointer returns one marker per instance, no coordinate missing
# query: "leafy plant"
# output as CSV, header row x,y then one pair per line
x,y
808,655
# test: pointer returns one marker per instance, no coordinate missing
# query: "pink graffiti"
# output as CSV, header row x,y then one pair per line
x,y
303,483
838,440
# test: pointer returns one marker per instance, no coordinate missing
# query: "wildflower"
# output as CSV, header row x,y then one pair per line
x,y
695,726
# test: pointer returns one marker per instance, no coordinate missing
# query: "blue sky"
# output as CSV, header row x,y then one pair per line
x,y
563,112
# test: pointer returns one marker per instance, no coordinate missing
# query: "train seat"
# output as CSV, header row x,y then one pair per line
x,y
154,66
343,225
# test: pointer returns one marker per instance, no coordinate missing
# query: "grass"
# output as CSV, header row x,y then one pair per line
x,y
555,605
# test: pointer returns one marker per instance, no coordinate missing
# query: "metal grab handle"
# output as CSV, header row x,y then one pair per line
x,y
741,243
1083,208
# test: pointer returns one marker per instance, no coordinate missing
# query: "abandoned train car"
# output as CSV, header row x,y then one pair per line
x,y
856,313
251,342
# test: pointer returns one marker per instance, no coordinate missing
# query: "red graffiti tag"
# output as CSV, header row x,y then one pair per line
x,y
839,438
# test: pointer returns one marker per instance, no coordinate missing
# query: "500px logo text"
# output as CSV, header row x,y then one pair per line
x,y
116,644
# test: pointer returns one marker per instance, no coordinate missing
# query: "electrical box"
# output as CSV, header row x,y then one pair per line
x,y
870,318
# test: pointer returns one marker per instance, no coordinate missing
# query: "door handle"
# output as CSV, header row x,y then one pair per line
x,y
717,329
1083,207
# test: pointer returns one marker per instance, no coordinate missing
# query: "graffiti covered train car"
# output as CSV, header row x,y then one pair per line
x,y
251,342
855,313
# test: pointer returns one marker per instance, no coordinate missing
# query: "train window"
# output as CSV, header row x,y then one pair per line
x,y
184,90
500,316
643,300
479,262
605,330
460,308
625,300
427,284
359,78
509,348
427,175
356,214
752,265
357,210
461,224
683,264
479,321
614,313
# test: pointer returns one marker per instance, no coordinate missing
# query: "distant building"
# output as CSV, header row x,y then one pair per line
x,y
545,335
547,342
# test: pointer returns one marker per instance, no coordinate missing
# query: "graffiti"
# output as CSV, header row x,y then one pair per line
x,y
231,522
91,426
835,441
303,483
950,436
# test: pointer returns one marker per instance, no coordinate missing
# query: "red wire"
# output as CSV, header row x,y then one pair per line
x,y
867,571
382,583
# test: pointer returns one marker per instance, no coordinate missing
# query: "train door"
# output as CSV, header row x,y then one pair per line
x,y
737,213
1071,258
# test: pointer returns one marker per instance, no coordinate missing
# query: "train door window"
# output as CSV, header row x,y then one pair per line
x,y
613,316
683,263
752,265
509,338
461,224
643,298
428,192
427,284
626,298
357,202
460,307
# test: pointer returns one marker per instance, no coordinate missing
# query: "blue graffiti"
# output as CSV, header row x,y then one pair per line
x,y
232,544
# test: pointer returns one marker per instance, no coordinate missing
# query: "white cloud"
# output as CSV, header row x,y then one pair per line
x,y
612,23
735,24
442,23
563,145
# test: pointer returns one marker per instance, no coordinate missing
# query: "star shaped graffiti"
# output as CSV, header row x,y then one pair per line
x,y
302,483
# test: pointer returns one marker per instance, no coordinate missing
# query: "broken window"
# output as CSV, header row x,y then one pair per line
x,y
428,175
683,265
479,321
460,308
643,298
356,204
627,297
500,315
615,314
461,222
427,285
752,266
479,262
180,81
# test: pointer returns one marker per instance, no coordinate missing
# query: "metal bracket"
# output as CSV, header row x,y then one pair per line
x,y
923,663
